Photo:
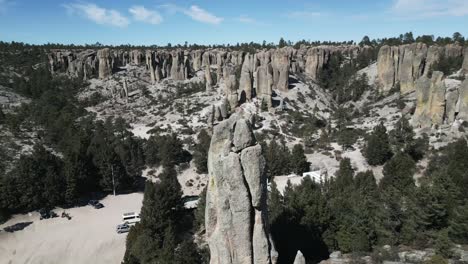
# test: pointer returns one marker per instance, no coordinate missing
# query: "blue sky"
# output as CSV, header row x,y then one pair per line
x,y
159,22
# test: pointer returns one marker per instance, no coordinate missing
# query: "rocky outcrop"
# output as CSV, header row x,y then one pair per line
x,y
105,68
264,78
236,212
463,101
430,104
179,68
299,258
405,64
208,79
465,62
151,65
281,67
230,82
246,77
136,57
316,58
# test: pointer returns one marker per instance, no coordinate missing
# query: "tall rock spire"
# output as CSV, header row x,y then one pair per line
x,y
236,212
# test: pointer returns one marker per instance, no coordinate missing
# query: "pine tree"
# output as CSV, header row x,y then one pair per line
x,y
2,116
156,237
299,161
458,229
377,150
398,173
345,174
200,154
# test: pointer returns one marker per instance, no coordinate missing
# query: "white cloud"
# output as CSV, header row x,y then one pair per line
x,y
303,14
194,12
201,15
98,14
140,13
429,8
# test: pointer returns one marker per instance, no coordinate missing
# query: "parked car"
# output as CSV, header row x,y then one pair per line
x,y
123,228
96,204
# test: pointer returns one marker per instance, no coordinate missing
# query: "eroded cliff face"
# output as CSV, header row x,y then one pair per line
x,y
465,62
405,64
236,213
430,104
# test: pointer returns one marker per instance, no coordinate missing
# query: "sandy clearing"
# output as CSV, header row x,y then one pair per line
x,y
89,237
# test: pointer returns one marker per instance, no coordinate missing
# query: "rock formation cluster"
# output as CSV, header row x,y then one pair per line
x,y
256,74
405,64
437,103
236,212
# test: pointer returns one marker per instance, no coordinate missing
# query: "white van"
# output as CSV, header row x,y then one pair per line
x,y
131,218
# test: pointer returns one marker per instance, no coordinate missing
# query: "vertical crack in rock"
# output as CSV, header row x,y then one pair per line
x,y
236,211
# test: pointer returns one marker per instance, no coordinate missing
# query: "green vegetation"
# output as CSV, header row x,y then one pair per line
x,y
160,236
281,161
352,213
200,154
446,65
377,150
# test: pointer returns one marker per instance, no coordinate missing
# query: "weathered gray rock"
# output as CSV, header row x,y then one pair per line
x,y
463,101
430,105
299,258
264,79
230,82
387,62
451,99
208,79
243,136
136,57
281,69
179,67
236,230
411,67
316,58
465,62
196,57
151,65
246,77
105,69
404,64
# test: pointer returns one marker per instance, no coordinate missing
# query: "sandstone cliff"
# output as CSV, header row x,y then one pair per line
x,y
236,212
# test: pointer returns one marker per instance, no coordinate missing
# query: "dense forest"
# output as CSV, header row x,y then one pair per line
x,y
406,38
352,212
75,155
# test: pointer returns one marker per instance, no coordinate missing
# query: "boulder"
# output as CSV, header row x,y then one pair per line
x,y
236,231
